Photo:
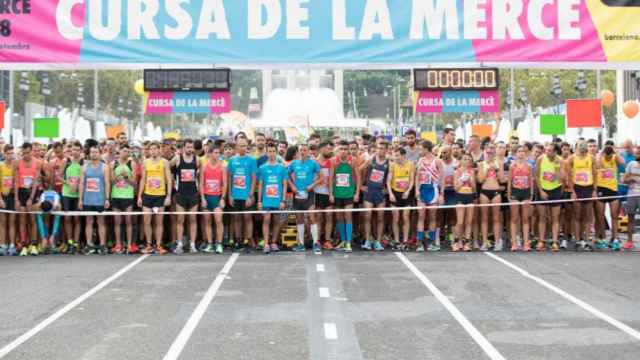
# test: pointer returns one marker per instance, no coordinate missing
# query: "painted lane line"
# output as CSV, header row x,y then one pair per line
x,y
324,292
488,348
330,331
320,267
179,343
58,314
621,326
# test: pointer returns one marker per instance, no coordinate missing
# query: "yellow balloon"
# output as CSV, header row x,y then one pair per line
x,y
139,87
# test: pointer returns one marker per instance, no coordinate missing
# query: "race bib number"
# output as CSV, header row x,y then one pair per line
x,y
153,183
402,185
424,178
325,176
521,182
93,185
272,191
342,180
212,185
377,176
548,176
7,182
448,181
607,174
240,182
27,181
582,177
74,180
491,173
121,184
187,175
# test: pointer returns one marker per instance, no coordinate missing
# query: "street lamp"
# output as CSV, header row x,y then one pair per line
x,y
581,83
45,89
80,97
24,90
556,92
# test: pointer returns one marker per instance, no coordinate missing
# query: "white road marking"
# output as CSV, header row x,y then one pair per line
x,y
621,326
330,331
320,267
179,343
324,292
488,348
58,314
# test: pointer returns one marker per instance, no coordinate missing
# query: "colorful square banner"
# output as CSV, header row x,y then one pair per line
x,y
458,101
584,113
46,128
482,131
215,102
552,124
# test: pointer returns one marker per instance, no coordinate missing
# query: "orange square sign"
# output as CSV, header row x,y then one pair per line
x,y
482,131
584,113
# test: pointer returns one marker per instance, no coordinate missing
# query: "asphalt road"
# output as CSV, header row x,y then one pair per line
x,y
334,306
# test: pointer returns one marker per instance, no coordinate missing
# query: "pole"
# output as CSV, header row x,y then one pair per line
x,y
11,103
95,102
512,87
598,92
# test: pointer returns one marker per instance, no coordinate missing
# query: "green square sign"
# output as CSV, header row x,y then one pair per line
x,y
553,125
46,128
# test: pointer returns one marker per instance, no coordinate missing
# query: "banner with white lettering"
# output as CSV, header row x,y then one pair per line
x,y
318,31
458,101
168,102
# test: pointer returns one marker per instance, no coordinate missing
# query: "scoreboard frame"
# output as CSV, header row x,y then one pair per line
x,y
456,79
188,80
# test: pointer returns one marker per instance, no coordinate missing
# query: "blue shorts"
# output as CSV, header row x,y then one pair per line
x,y
428,194
374,196
450,197
213,202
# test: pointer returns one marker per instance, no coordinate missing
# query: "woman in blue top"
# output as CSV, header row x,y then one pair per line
x,y
272,182
94,197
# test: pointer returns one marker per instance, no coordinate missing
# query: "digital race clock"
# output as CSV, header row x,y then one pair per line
x,y
187,79
456,79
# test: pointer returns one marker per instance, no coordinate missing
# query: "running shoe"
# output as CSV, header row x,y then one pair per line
x,y
133,249
161,250
433,247
484,248
3,250
239,247
628,245
89,250
347,248
455,247
514,247
601,244
327,245
467,247
588,246
498,246
554,247
377,246
563,244
317,249
209,249
33,250
102,250
118,249
261,243
24,251
527,246
62,249
275,248
193,249
297,248
615,245
420,247
266,249
179,249
339,247
366,245
541,246
148,249
219,249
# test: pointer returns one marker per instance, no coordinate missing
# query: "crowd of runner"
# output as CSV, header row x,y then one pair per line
x,y
236,194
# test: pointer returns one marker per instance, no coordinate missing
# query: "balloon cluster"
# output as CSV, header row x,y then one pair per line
x,y
629,108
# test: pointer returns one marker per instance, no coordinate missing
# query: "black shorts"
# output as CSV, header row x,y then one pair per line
x,y
566,195
241,205
9,202
23,196
187,201
400,202
121,204
69,204
465,199
322,201
153,201
583,192
342,203
521,195
304,204
553,195
92,208
490,194
604,192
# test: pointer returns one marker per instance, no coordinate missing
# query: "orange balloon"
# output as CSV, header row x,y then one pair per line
x,y
631,108
607,98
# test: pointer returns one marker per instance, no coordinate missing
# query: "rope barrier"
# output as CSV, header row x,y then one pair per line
x,y
354,210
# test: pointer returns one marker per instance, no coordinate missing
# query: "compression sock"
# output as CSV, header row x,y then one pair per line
x,y
349,230
301,234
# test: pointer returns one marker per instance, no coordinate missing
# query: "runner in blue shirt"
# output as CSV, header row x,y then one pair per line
x,y
242,179
305,175
272,182
49,200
